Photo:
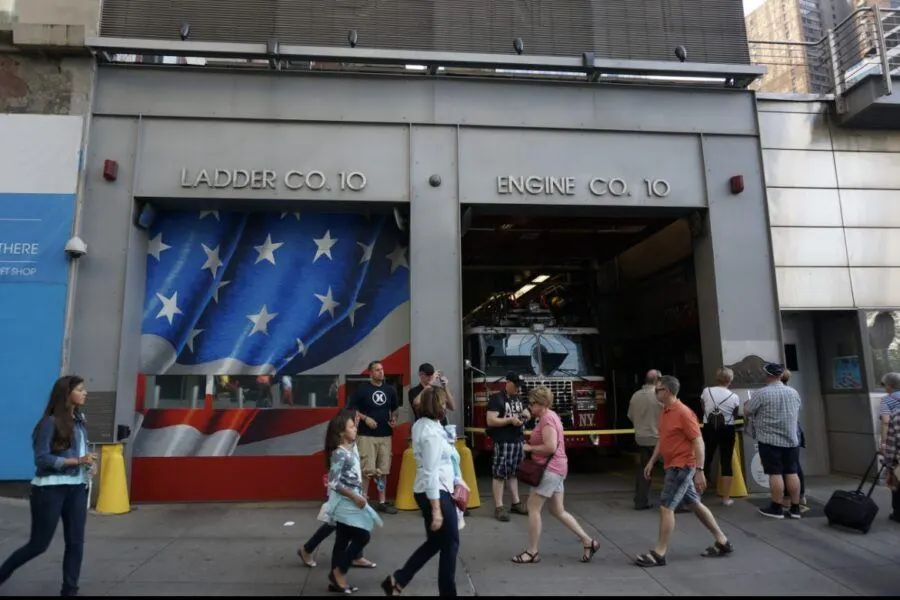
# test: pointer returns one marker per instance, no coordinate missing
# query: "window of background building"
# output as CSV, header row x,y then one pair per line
x,y
883,329
242,391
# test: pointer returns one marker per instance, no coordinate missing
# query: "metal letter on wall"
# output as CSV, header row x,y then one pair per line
x,y
266,161
502,166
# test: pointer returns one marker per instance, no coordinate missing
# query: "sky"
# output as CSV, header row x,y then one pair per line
x,y
750,5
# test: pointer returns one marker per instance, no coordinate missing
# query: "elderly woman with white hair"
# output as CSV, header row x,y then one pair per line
x,y
720,408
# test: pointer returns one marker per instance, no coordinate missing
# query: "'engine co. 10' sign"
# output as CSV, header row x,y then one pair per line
x,y
267,179
537,185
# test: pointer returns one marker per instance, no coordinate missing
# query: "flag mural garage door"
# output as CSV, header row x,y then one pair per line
x,y
254,324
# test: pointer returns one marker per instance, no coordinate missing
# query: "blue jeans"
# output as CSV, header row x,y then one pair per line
x,y
445,540
48,505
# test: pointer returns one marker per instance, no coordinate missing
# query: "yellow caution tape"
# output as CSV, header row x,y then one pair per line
x,y
584,432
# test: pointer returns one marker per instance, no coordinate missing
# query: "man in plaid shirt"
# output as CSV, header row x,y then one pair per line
x,y
774,412
891,451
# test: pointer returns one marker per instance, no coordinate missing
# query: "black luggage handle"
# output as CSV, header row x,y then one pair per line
x,y
866,476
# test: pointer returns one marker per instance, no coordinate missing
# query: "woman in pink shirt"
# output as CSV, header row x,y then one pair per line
x,y
547,446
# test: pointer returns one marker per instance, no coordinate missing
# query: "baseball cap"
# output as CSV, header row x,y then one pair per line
x,y
513,377
774,369
427,369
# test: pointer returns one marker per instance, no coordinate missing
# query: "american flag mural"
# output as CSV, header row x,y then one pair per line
x,y
254,294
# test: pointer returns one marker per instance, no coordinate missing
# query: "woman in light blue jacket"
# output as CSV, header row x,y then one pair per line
x,y
433,491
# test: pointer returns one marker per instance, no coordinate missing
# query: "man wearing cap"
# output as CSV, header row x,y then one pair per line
x,y
774,412
429,377
506,416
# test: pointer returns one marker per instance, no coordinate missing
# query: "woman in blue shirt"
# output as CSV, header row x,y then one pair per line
x,y
59,488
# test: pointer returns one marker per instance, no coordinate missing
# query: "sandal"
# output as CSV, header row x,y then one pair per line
x,y
718,550
590,551
309,562
390,586
527,558
651,559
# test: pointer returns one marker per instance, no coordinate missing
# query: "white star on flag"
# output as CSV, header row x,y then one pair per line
x,y
267,250
296,214
301,348
169,308
398,258
212,260
206,213
367,251
219,286
324,245
190,340
156,246
352,313
328,303
261,320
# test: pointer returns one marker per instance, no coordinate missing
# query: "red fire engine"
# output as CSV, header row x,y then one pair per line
x,y
565,359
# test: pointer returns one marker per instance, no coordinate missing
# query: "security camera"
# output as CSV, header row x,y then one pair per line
x,y
76,248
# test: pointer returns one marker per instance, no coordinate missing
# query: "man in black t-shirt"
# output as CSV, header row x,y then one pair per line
x,y
429,377
376,403
506,416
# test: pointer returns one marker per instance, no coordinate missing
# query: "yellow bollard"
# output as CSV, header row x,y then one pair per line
x,y
113,497
467,466
405,499
738,487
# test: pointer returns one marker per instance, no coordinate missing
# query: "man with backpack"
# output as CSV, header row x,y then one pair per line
x,y
720,407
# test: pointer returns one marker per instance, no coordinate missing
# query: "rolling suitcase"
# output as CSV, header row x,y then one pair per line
x,y
855,509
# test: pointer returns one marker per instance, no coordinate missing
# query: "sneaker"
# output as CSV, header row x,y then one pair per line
x,y
727,502
386,509
519,508
773,511
501,514
795,512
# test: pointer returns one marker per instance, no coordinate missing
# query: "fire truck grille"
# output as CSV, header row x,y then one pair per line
x,y
563,394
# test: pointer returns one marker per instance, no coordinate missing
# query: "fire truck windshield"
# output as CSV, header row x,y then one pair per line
x,y
546,354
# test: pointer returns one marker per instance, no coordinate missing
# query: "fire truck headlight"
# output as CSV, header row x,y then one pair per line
x,y
595,440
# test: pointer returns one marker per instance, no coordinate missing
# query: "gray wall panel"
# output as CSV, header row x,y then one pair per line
x,y
871,208
799,207
793,131
748,316
215,94
799,169
435,280
868,170
106,222
873,247
814,287
876,287
809,246
713,30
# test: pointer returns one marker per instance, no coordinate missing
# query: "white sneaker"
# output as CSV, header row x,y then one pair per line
x,y
727,502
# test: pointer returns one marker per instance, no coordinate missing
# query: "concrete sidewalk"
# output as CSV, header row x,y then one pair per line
x,y
250,550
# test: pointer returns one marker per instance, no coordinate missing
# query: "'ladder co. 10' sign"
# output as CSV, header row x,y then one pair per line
x,y
268,179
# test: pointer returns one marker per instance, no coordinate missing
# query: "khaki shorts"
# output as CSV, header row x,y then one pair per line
x,y
374,454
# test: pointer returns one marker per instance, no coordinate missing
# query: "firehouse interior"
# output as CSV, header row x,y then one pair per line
x,y
583,300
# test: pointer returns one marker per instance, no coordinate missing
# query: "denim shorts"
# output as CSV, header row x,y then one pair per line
x,y
678,488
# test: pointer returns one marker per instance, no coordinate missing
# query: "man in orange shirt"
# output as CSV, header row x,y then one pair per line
x,y
681,447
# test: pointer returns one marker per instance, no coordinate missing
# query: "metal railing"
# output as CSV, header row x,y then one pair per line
x,y
866,43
